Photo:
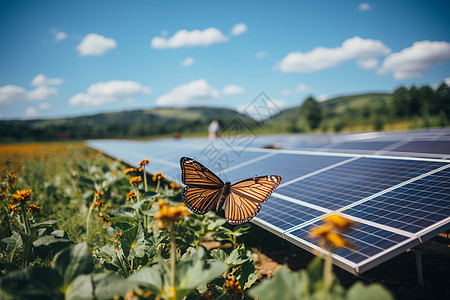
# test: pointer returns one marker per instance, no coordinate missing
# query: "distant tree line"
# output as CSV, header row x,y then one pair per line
x,y
11,131
423,103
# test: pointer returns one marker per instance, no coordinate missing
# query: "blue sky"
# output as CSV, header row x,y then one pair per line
x,y
67,58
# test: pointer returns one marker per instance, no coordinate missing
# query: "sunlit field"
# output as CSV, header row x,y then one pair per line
x,y
75,222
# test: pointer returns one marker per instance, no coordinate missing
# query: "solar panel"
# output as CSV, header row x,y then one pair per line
x,y
436,147
396,202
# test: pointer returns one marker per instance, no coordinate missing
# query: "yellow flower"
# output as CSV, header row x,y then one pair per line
x,y
336,239
14,208
103,218
34,208
19,196
143,162
174,186
170,292
330,232
129,170
338,221
98,204
157,176
130,196
11,178
322,230
168,214
233,287
98,195
135,180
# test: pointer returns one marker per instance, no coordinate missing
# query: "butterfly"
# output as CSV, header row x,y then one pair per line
x,y
205,191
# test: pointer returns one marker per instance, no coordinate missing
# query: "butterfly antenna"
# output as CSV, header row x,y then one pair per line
x,y
223,171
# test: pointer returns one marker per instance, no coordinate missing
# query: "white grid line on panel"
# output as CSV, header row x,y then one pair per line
x,y
378,225
393,146
386,254
338,260
319,171
393,187
250,161
296,201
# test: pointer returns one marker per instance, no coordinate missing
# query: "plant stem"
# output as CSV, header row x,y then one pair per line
x,y
157,185
173,254
88,221
145,179
328,272
25,219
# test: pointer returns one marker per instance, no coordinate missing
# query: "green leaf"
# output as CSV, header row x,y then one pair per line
x,y
72,262
247,274
47,240
219,254
32,283
133,242
214,224
98,286
122,219
237,257
194,272
150,277
48,223
368,292
284,285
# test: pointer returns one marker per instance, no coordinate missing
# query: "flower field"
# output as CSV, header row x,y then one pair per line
x,y
76,224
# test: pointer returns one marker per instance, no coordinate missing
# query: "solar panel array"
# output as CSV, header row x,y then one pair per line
x,y
396,202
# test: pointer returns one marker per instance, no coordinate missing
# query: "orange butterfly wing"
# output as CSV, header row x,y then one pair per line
x,y
246,196
203,187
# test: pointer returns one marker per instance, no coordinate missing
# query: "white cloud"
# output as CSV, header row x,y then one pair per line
x,y
11,93
261,54
447,81
286,92
239,29
367,63
258,112
45,105
322,58
364,6
112,91
184,38
322,97
41,79
232,89
31,112
42,92
194,93
303,88
59,35
95,45
187,62
413,61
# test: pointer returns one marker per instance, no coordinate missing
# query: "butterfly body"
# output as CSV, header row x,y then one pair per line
x,y
223,195
205,191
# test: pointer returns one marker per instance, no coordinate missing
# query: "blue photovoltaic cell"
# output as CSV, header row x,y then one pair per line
x,y
226,159
363,145
436,147
288,166
345,184
365,240
284,214
412,207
